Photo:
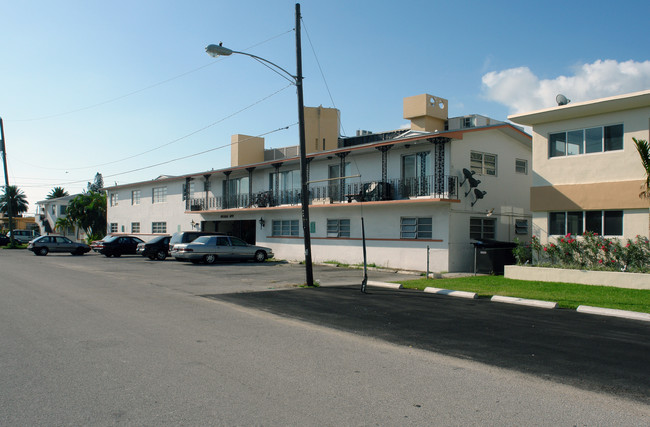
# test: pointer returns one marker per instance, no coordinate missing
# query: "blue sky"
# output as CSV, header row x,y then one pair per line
x,y
125,87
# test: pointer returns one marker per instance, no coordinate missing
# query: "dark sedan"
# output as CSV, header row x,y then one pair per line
x,y
119,245
156,248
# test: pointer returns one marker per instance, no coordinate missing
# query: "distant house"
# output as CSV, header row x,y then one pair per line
x,y
48,211
430,190
587,174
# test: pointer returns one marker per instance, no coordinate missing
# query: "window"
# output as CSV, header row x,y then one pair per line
x,y
608,223
53,209
135,197
482,228
416,228
159,194
113,199
113,227
188,192
338,228
336,187
521,226
521,166
483,163
159,227
285,227
135,227
581,141
62,209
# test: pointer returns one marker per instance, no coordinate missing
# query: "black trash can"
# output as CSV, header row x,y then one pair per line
x,y
491,255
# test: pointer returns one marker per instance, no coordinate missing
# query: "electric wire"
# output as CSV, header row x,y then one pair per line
x,y
172,141
60,184
151,86
321,70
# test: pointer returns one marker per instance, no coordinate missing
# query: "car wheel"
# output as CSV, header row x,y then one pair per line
x,y
260,256
107,255
42,251
161,255
117,255
210,259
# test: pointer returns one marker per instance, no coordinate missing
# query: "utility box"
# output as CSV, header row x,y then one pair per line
x,y
490,256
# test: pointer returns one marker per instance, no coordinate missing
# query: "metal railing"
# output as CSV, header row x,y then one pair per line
x,y
392,189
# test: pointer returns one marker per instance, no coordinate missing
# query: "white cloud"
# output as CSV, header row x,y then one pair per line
x,y
521,90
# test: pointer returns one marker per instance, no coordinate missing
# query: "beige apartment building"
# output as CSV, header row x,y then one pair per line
x,y
587,173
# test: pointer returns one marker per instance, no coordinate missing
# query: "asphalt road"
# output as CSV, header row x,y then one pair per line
x,y
96,341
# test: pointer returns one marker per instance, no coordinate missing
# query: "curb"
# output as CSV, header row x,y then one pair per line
x,y
522,301
614,313
385,285
451,293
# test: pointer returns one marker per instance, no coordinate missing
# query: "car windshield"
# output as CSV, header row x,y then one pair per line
x,y
158,239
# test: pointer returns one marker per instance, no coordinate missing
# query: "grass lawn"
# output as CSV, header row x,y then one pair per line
x,y
567,295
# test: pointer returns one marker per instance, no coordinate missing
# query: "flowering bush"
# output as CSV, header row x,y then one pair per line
x,y
589,252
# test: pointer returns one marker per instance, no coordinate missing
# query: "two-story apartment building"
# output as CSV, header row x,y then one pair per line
x,y
587,173
432,189
49,211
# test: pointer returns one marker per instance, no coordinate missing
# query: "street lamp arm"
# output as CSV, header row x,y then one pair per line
x,y
218,50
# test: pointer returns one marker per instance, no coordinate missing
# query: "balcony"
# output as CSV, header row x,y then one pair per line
x,y
372,191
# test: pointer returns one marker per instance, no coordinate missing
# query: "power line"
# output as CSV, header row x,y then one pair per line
x,y
61,184
151,86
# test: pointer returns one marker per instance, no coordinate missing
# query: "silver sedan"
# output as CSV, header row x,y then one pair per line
x,y
210,248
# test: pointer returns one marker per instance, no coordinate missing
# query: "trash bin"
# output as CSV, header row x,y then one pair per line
x,y
491,255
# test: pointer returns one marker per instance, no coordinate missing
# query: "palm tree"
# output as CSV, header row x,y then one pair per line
x,y
15,198
64,223
56,193
643,148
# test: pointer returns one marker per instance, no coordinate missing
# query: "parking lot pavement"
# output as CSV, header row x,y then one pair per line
x,y
595,353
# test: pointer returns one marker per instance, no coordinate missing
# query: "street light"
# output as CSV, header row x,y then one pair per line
x,y
218,50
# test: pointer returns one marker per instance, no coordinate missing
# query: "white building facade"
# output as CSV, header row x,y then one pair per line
x,y
425,195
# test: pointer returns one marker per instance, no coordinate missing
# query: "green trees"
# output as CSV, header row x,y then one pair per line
x,y
56,193
88,211
14,197
643,148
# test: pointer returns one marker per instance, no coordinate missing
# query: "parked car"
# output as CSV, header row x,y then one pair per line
x,y
156,248
23,236
118,245
189,236
210,248
45,244
4,240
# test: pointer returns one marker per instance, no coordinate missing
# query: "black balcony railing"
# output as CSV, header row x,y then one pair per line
x,y
372,191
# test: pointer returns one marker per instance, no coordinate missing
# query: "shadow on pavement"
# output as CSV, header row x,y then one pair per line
x,y
591,352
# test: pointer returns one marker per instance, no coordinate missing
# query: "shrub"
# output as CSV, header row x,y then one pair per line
x,y
589,251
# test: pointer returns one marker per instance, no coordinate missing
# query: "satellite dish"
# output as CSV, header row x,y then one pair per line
x,y
467,175
479,195
473,183
562,100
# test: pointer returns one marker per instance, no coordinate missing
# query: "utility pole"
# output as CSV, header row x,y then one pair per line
x,y
4,162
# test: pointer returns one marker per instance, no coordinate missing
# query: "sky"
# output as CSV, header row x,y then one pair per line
x,y
125,88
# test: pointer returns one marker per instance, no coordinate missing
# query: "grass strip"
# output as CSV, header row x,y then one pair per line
x,y
567,295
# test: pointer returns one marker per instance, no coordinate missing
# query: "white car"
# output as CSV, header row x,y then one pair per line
x,y
209,249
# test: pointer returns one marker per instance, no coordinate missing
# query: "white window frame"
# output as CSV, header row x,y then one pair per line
x,y
135,227
159,194
114,199
339,227
481,165
285,227
113,227
159,227
135,197
487,228
418,228
521,166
